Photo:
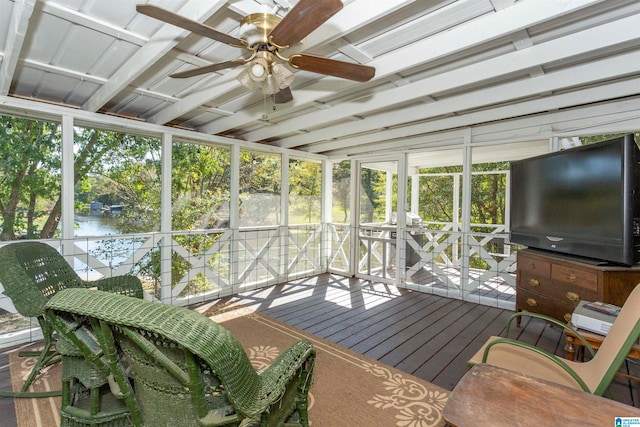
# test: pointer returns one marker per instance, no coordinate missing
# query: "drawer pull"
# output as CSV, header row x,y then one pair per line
x,y
572,277
572,296
567,317
532,302
534,283
532,265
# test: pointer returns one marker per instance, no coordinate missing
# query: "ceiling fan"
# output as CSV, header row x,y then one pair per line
x,y
266,36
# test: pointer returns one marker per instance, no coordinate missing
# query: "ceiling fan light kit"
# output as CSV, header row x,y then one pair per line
x,y
283,76
244,77
270,86
266,35
258,69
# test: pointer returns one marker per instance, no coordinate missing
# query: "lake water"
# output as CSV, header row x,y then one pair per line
x,y
95,226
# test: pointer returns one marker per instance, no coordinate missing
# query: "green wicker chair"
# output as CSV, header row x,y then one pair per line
x,y
31,273
186,369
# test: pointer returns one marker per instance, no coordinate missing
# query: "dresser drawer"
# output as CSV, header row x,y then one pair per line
x,y
576,277
569,294
537,303
534,266
534,282
553,285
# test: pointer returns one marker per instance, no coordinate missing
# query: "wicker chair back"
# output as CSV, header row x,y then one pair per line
x,y
180,368
31,272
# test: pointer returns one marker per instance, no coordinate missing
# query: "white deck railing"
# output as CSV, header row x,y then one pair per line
x,y
187,267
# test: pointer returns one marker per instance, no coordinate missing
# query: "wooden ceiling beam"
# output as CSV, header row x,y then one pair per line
x,y
16,33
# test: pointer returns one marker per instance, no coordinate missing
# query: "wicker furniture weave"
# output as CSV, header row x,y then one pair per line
x,y
31,273
186,369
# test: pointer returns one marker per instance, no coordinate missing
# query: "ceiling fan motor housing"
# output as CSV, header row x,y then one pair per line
x,y
255,28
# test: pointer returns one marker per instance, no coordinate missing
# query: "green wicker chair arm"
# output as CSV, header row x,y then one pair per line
x,y
123,285
556,322
299,357
557,360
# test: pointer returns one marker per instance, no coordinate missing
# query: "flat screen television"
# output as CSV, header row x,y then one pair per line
x,y
582,201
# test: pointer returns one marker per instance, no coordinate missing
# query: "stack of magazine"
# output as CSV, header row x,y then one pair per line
x,y
595,316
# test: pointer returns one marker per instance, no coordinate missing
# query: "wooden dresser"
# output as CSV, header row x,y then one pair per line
x,y
554,284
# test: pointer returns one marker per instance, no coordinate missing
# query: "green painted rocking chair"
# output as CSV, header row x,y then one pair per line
x,y
31,273
176,367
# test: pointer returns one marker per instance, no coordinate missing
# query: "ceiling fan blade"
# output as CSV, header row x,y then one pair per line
x,y
306,16
207,69
332,67
172,18
283,96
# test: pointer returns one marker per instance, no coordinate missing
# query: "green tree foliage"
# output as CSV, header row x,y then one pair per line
x,y
111,166
29,178
200,187
436,193
372,193
585,140
342,188
260,188
305,188
119,169
488,194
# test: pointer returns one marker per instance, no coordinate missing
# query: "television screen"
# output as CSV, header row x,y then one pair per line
x,y
579,201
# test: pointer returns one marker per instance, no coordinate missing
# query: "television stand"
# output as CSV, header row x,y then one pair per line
x,y
553,284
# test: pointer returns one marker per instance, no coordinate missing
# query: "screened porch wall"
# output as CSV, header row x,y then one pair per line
x,y
444,262
185,267
447,254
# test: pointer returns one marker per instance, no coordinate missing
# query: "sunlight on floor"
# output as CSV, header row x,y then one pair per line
x,y
383,292
295,296
341,297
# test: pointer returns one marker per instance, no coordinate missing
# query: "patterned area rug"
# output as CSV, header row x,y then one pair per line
x,y
44,412
348,388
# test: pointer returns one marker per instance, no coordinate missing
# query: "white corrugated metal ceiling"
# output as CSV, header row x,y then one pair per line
x,y
446,70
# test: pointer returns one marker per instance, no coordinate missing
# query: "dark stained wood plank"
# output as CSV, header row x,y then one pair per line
x,y
448,351
394,331
305,316
341,311
413,357
460,351
404,343
377,339
378,318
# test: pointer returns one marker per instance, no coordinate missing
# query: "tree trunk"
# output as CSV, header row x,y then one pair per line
x,y
49,228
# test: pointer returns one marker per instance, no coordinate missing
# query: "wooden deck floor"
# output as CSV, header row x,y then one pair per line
x,y
426,335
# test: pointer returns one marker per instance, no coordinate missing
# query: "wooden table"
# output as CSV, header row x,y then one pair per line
x,y
574,346
493,397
